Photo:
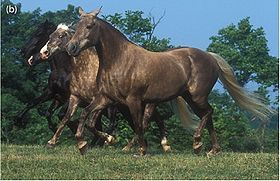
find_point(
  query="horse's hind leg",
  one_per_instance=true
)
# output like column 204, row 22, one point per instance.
column 112, row 115
column 163, row 134
column 215, row 146
column 148, row 112
column 204, row 111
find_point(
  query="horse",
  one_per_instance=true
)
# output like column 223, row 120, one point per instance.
column 30, row 52
column 84, row 73
column 135, row 77
column 58, row 82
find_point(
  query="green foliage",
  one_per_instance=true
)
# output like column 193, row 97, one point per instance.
column 65, row 163
column 139, row 29
column 63, row 16
column 8, row 101
column 245, row 48
column 36, row 130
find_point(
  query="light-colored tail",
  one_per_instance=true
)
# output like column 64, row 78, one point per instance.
column 249, row 101
column 183, row 112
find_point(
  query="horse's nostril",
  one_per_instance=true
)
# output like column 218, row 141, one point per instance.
column 46, row 52
column 72, row 47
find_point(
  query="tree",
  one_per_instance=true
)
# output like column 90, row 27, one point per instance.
column 139, row 29
column 245, row 49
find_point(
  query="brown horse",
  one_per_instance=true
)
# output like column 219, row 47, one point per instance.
column 83, row 82
column 133, row 76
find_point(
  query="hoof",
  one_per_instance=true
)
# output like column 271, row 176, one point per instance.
column 110, row 140
column 142, row 151
column 197, row 147
column 50, row 146
column 166, row 148
column 83, row 147
column 137, row 155
column 140, row 156
column 213, row 152
column 126, row 148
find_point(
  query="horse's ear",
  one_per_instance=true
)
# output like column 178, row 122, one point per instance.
column 71, row 27
column 71, row 24
column 96, row 12
column 81, row 11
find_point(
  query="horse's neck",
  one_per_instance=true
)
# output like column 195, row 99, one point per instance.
column 61, row 62
column 110, row 46
column 52, row 63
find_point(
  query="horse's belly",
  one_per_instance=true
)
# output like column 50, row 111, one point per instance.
column 163, row 91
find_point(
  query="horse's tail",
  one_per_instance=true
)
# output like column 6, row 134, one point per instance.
column 249, row 101
column 181, row 109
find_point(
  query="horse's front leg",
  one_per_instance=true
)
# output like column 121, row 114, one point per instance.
column 47, row 95
column 53, row 107
column 135, row 106
column 95, row 107
column 72, row 106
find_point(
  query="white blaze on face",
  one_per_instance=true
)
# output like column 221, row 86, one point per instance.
column 30, row 60
column 43, row 51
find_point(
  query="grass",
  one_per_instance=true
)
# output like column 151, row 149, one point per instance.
column 64, row 162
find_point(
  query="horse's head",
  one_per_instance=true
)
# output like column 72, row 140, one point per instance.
column 57, row 42
column 87, row 33
column 36, row 42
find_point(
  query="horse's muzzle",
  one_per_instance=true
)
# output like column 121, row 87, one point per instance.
column 72, row 49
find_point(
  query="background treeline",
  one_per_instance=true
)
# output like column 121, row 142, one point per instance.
column 242, row 45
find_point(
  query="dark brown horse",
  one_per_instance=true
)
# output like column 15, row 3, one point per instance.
column 56, row 84
column 83, row 82
column 133, row 76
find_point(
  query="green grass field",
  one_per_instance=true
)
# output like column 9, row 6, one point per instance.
column 64, row 162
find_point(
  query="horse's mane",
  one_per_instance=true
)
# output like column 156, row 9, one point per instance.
column 124, row 37
column 43, row 30
column 113, row 28
column 118, row 32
